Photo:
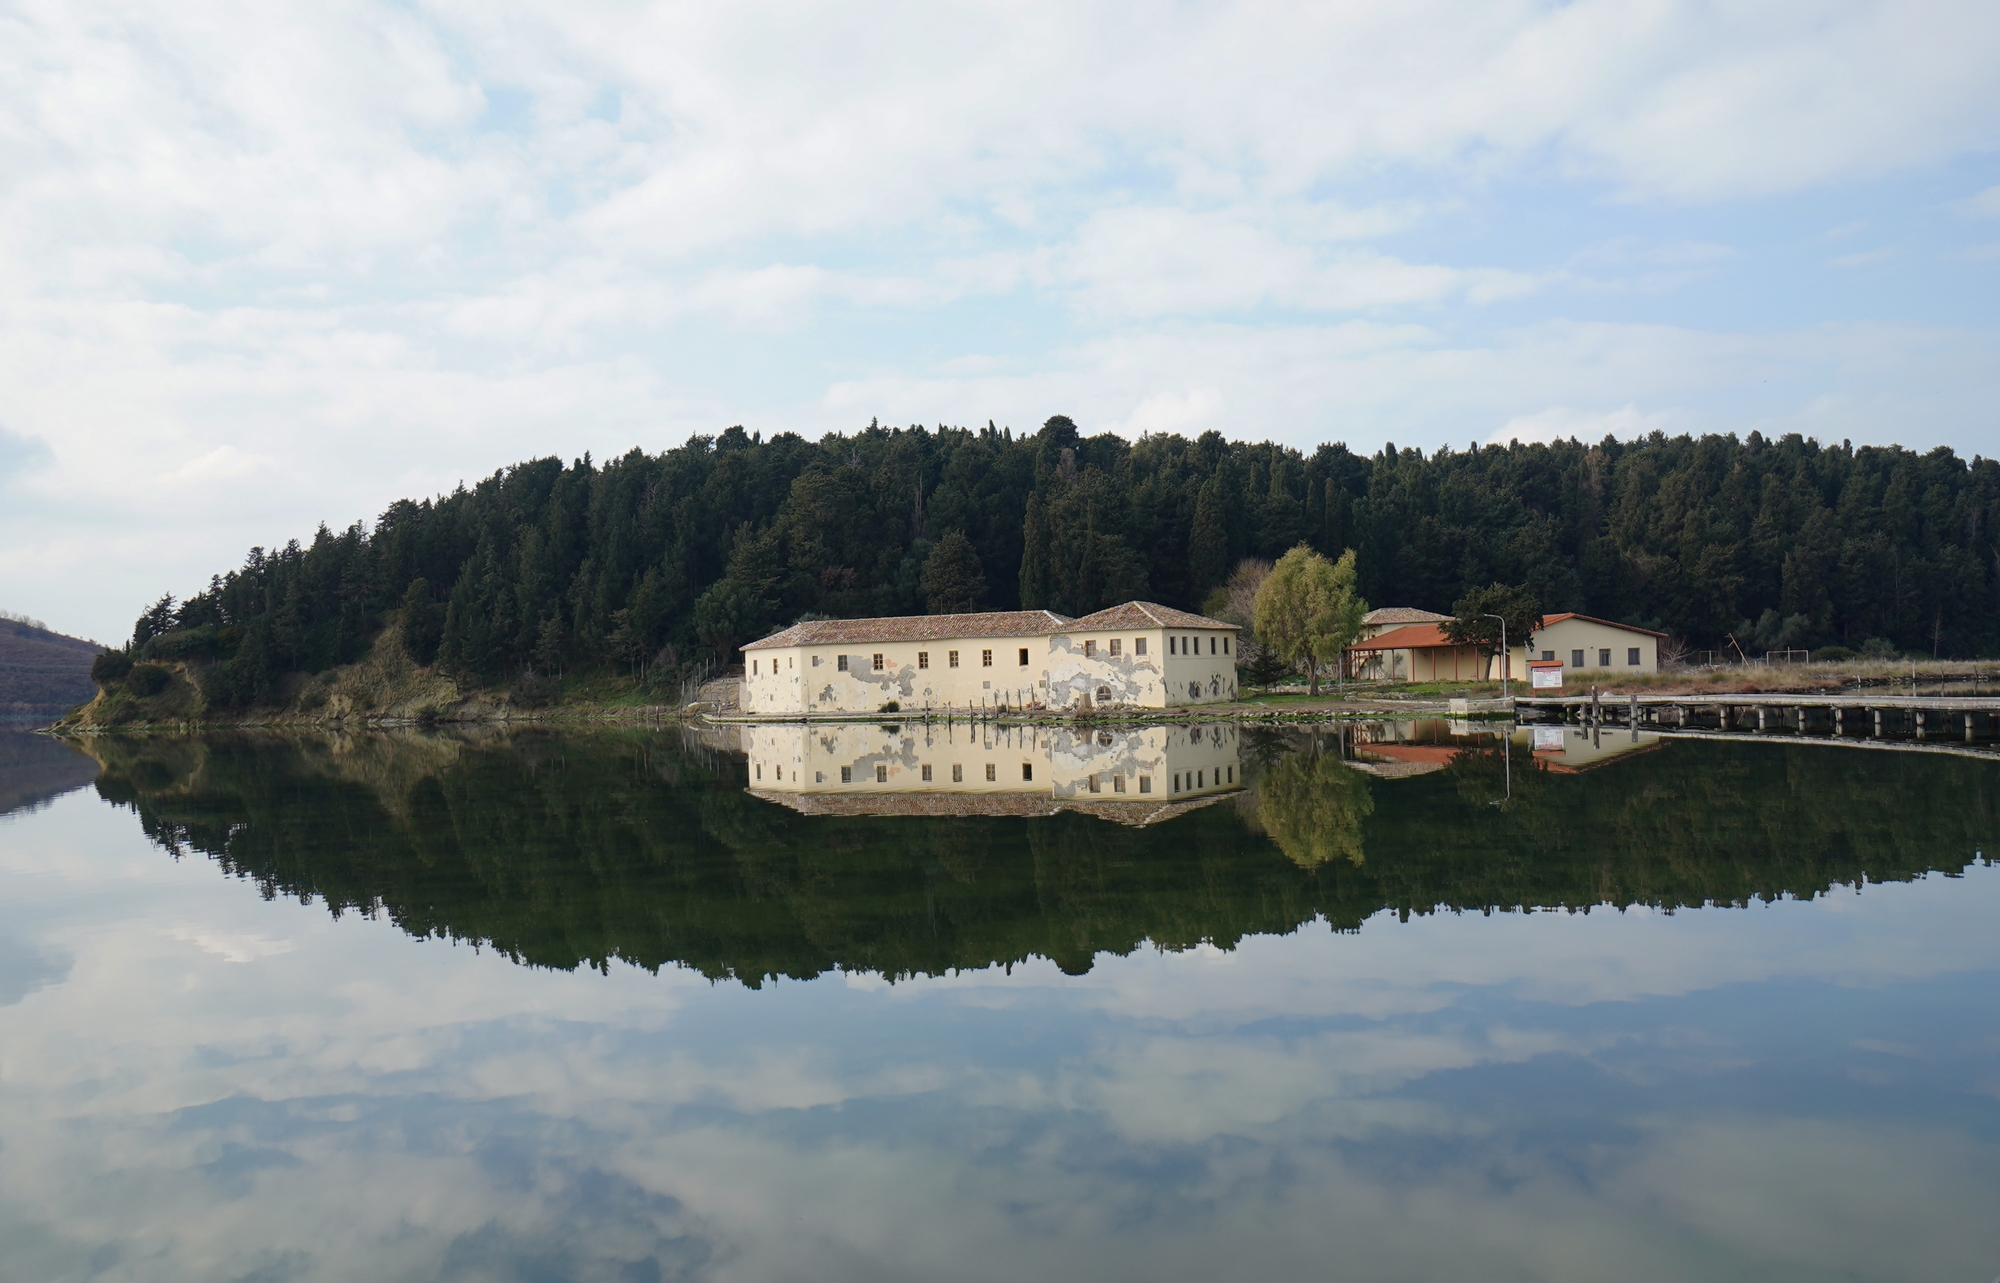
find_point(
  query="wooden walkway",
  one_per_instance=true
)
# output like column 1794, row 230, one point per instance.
column 1964, row 719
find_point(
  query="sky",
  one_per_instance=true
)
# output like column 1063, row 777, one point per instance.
column 266, row 265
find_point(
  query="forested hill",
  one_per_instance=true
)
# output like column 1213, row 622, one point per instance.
column 42, row 673
column 659, row 558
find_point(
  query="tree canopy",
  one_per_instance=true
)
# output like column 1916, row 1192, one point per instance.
column 703, row 546
column 1308, row 611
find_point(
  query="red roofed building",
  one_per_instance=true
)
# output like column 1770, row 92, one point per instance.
column 1415, row 653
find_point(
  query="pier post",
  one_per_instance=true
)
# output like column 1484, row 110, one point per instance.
column 1838, row 729
column 1920, row 723
column 1760, row 719
column 1968, row 728
column 1878, row 723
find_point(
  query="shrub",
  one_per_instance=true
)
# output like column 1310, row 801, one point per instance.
column 148, row 679
column 891, row 707
column 1878, row 648
column 110, row 666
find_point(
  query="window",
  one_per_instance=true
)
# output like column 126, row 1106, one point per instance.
column 878, row 663
column 1548, row 654
column 990, row 776
column 1201, row 779
column 1173, row 646
column 1089, row 649
column 986, row 659
column 1145, row 784
column 1139, row 646
column 1177, row 781
column 1604, row 657
column 1576, row 659
column 847, row 775
column 958, row 773
column 1024, row 656
column 1092, row 784
column 923, row 659
column 951, row 659
column 760, row 770
column 1225, row 645
column 1632, row 657
column 881, row 775
column 927, row 775
column 841, row 662
column 753, row 668
column 1027, row 770
column 1104, row 694
column 819, row 777
column 1116, row 643
column 1232, row 775
column 815, row 661
column 1117, row 784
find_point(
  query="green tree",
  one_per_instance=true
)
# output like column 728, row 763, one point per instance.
column 1471, row 625
column 423, row 622
column 1208, row 539
column 953, row 580
column 1312, row 805
column 1308, row 610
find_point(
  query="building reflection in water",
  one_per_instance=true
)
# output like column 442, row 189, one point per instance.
column 1136, row 775
column 1400, row 749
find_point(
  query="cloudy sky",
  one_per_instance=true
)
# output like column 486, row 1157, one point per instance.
column 264, row 265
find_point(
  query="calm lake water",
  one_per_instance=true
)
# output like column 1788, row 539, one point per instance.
column 1378, row 1003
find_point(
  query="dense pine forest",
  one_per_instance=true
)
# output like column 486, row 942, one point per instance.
column 651, row 561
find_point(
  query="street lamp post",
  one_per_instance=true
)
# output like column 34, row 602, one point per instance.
column 1505, row 666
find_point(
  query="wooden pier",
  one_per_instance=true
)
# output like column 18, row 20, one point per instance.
column 1940, row 719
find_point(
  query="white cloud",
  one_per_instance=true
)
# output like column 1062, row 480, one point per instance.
column 1561, row 423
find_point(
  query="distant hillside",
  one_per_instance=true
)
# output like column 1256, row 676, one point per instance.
column 42, row 673
column 37, row 768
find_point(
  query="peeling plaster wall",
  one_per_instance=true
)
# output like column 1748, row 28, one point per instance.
column 1155, row 753
column 824, row 688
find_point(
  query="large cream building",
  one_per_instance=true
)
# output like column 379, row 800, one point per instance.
column 1140, row 655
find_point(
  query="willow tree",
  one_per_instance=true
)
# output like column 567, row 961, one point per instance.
column 1309, row 611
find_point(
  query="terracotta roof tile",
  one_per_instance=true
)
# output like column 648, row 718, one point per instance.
column 900, row 628
column 1417, row 635
column 1402, row 615
column 1548, row 620
column 1143, row 614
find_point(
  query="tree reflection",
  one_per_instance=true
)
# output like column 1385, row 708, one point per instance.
column 570, row 850
column 1312, row 805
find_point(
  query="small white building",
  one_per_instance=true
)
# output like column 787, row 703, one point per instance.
column 1589, row 646
column 1140, row 654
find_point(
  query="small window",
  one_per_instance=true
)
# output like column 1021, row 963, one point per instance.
column 847, row 775
column 1232, row 775
column 958, row 773
column 840, row 661
column 1145, row 784
column 990, row 773
column 951, row 658
column 1139, row 646
column 923, row 659
column 1201, row 779
column 1604, row 657
column 1225, row 645
column 1104, row 694
column 881, row 775
column 753, row 668
column 1548, row 655
column 1576, row 659
column 1027, row 770
column 1632, row 657
column 816, row 661
column 927, row 775
column 878, row 663
column 986, row 659
column 1177, row 781
column 760, row 770
column 1172, row 646
column 1089, row 649
column 1092, row 784
column 1211, row 644
column 1117, row 784
column 1116, row 644
column 1024, row 656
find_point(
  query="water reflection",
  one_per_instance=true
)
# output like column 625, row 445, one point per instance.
column 203, row 1084
column 36, row 769
column 572, row 851
column 1136, row 776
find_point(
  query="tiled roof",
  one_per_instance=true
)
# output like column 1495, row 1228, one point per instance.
column 1143, row 614
column 899, row 628
column 1548, row 620
column 1402, row 615
column 1415, row 636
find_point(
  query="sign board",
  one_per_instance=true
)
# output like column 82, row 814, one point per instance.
column 1548, row 739
column 1545, row 675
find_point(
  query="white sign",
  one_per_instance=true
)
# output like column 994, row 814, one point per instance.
column 1546, row 678
column 1548, row 738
